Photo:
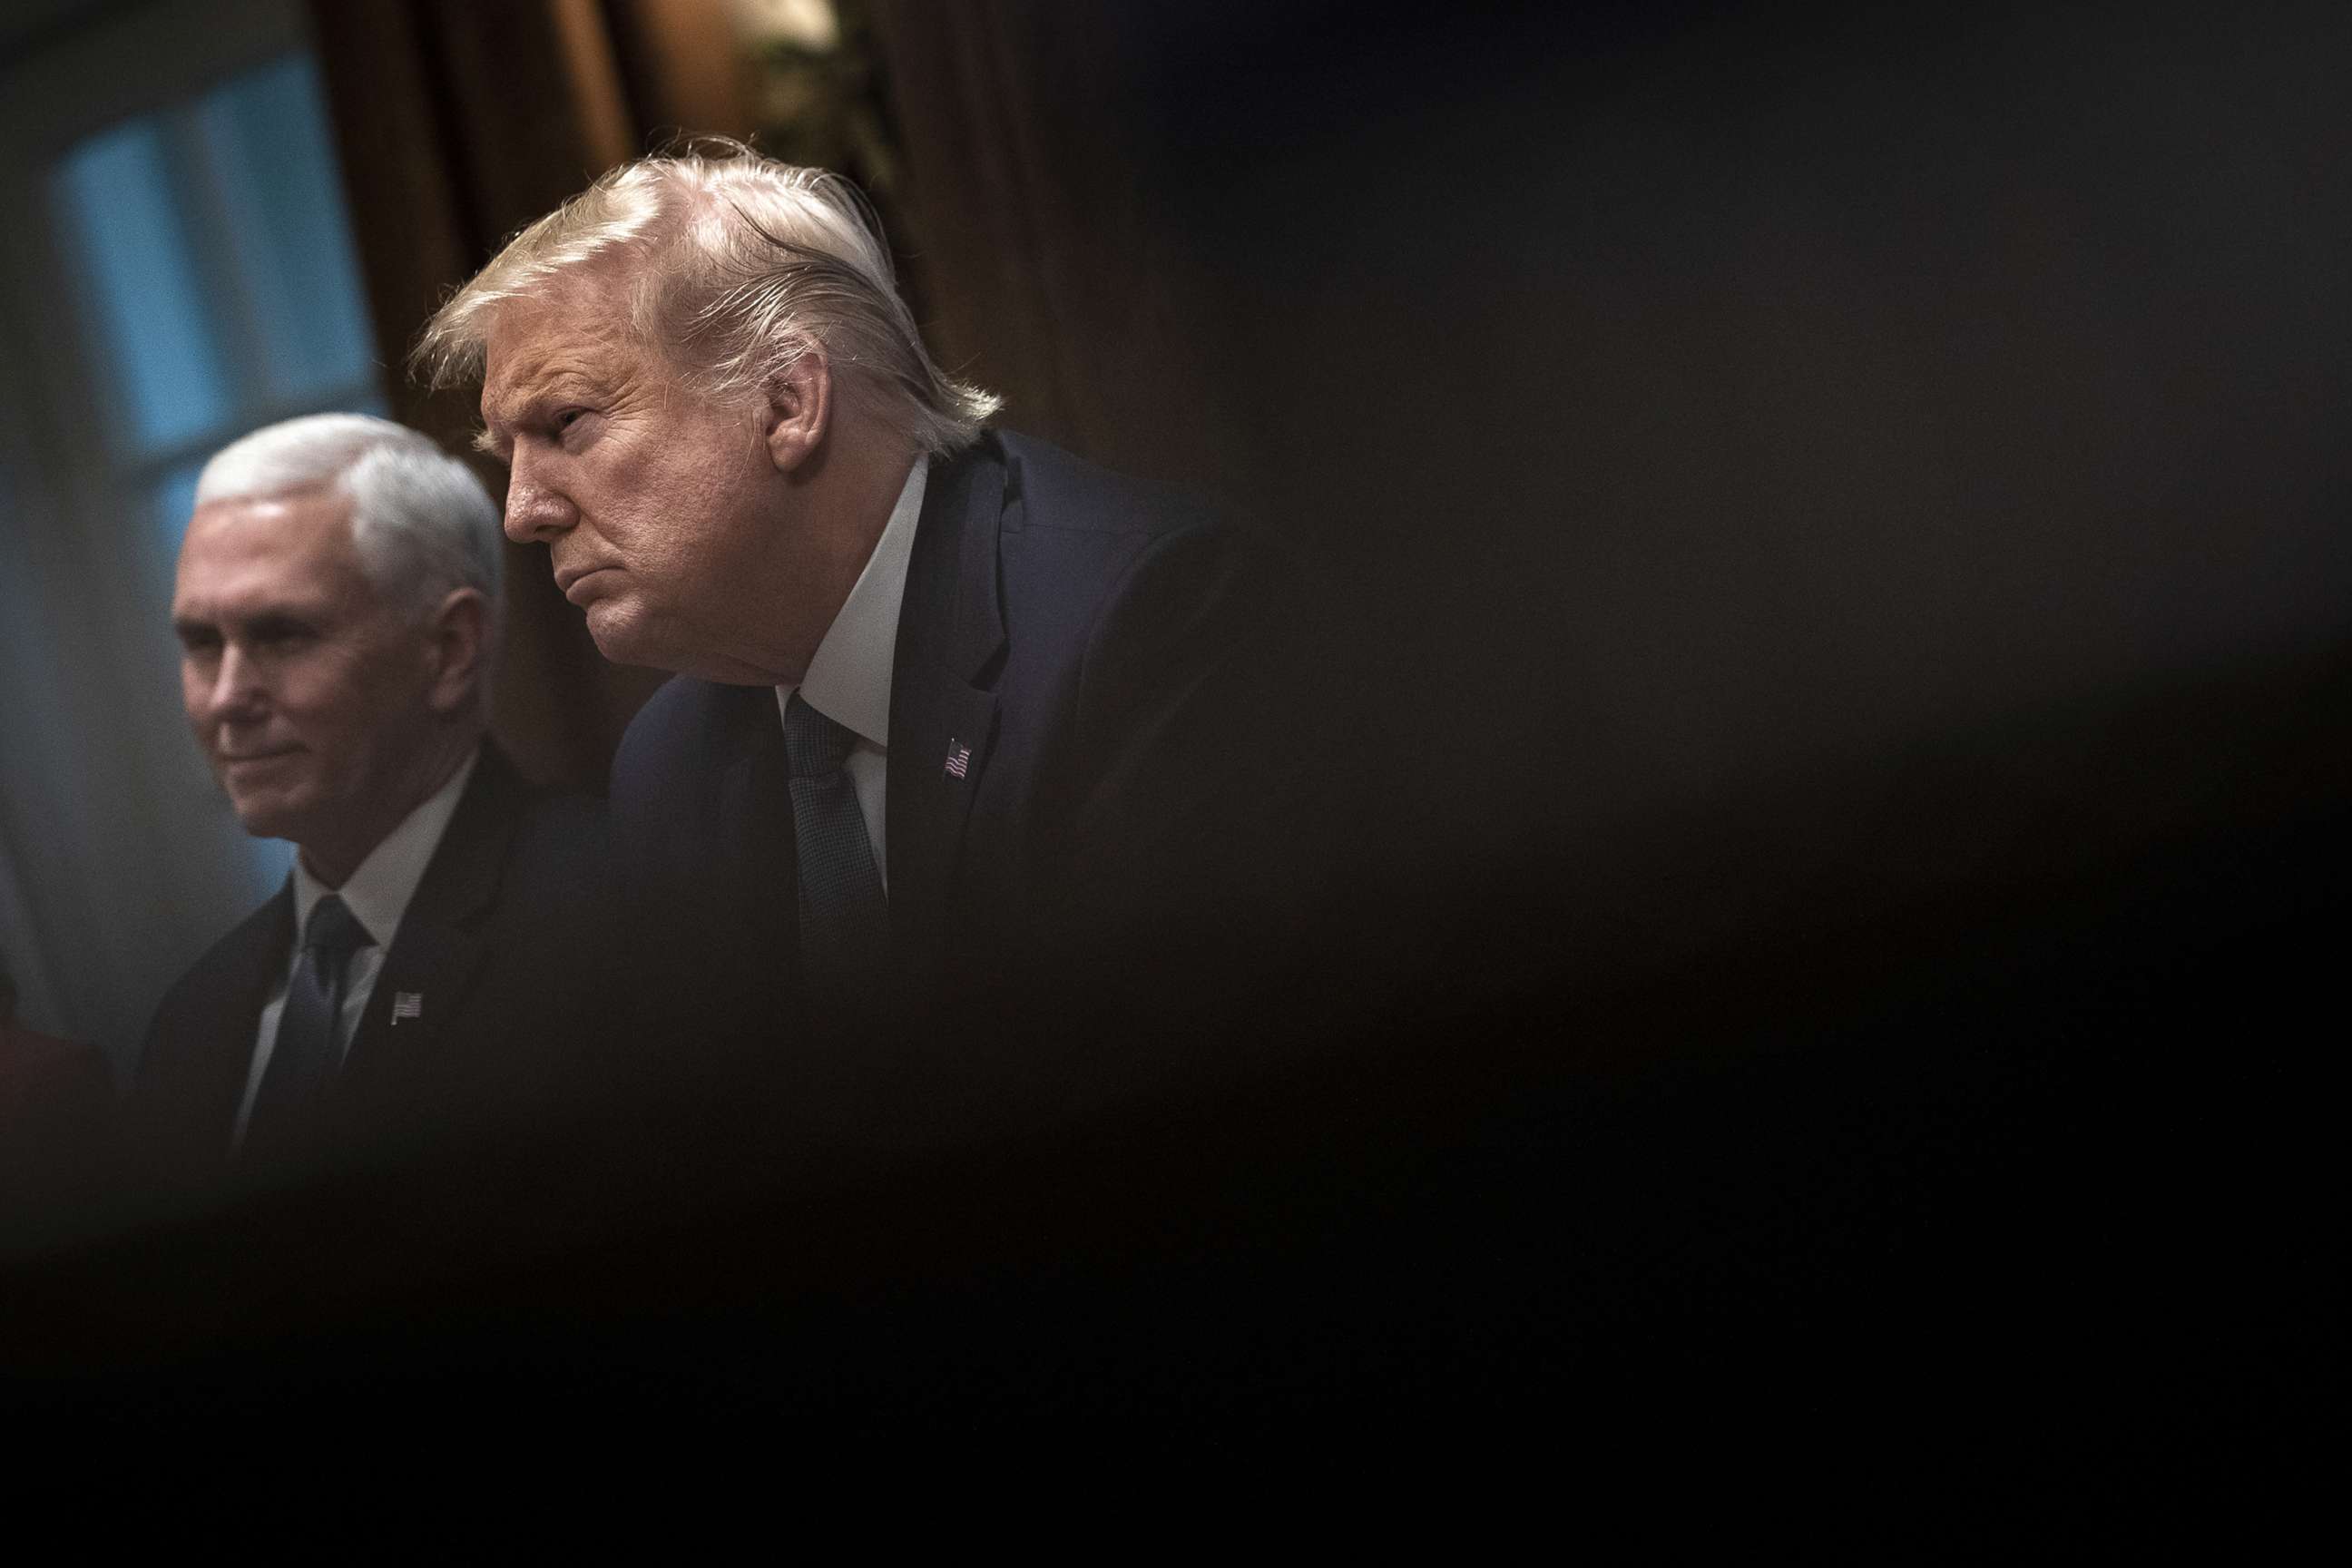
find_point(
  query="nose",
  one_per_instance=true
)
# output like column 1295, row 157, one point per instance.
column 535, row 514
column 234, row 694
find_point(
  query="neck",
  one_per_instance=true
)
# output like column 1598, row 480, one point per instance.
column 849, row 494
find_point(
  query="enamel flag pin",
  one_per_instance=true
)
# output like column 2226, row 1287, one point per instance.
column 959, row 758
column 407, row 1004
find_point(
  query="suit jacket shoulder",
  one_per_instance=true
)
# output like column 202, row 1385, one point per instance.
column 191, row 1072
column 1123, row 634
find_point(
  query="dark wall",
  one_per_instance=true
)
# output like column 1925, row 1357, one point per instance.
column 1852, row 437
column 1838, row 515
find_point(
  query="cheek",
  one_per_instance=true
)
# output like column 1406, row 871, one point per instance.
column 322, row 705
column 679, row 525
column 373, row 700
column 727, row 542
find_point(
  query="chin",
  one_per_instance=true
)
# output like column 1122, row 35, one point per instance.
column 265, row 822
column 268, row 815
column 623, row 638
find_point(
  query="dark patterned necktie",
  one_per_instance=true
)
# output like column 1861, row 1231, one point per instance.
column 307, row 1051
column 844, row 915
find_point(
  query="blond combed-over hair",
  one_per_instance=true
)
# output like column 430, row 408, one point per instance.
column 735, row 266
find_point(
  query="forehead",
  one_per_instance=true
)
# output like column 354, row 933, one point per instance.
column 576, row 329
column 257, row 551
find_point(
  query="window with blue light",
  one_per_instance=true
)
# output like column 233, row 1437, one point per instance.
column 285, row 222
column 219, row 286
column 169, row 375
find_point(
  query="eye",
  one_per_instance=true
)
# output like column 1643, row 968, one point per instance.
column 277, row 638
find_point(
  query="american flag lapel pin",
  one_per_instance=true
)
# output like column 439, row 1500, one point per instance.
column 407, row 1004
column 959, row 758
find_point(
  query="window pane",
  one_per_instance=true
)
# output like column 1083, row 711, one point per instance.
column 131, row 241
column 265, row 134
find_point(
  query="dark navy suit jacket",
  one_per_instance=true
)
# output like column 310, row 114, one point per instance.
column 1081, row 699
column 502, row 945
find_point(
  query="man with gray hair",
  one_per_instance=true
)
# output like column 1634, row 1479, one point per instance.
column 954, row 707
column 337, row 609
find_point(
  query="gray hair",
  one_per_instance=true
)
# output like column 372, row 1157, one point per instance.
column 736, row 266
column 421, row 521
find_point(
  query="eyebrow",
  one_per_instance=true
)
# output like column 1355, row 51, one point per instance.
column 529, row 407
column 523, row 402
column 531, row 392
column 263, row 622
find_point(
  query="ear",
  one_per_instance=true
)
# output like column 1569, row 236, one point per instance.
column 799, row 407
column 459, row 634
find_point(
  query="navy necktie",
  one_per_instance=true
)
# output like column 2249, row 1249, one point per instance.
column 845, row 914
column 307, row 1050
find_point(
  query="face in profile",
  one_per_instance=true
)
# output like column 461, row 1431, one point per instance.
column 310, row 696
column 660, row 508
column 688, row 529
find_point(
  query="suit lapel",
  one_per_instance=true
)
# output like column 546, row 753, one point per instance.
column 439, row 943
column 942, row 712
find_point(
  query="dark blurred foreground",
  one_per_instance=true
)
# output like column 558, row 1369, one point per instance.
column 2015, row 1180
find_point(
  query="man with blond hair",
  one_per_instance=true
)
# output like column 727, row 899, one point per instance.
column 957, row 714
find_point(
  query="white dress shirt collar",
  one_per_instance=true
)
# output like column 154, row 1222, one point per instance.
column 848, row 680
column 378, row 893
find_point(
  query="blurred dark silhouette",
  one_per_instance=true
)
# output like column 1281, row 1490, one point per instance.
column 57, row 1117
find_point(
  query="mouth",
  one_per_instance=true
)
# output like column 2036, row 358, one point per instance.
column 247, row 758
column 568, row 581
